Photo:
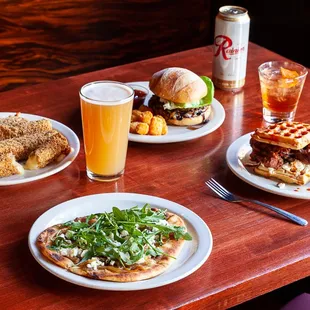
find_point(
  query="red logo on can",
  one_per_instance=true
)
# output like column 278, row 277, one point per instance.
column 223, row 43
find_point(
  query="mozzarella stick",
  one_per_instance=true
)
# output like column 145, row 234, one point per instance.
column 22, row 147
column 48, row 152
column 8, row 131
column 9, row 166
column 13, row 120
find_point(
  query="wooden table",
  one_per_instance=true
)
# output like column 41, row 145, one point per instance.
column 255, row 251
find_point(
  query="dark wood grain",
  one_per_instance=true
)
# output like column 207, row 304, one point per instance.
column 44, row 40
column 255, row 251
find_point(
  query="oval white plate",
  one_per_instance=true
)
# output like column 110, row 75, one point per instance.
column 33, row 175
column 234, row 156
column 194, row 253
column 181, row 133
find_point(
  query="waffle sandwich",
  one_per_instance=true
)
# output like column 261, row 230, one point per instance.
column 282, row 151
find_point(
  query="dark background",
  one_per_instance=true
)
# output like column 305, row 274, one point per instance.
column 43, row 40
column 281, row 26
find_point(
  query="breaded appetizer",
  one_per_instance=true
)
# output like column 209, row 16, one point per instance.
column 48, row 152
column 21, row 128
column 22, row 147
column 158, row 126
column 9, row 166
column 13, row 120
column 143, row 117
column 139, row 128
column 145, row 123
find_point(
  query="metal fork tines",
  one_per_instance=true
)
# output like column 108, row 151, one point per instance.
column 228, row 196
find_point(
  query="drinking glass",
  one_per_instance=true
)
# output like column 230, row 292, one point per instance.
column 106, row 111
column 281, row 85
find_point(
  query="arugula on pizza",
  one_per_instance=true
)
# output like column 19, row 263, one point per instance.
column 122, row 246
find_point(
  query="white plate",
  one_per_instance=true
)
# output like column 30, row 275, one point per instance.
column 33, row 175
column 238, row 151
column 181, row 133
column 194, row 253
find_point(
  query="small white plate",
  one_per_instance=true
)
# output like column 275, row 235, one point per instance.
column 182, row 133
column 33, row 175
column 238, row 151
column 194, row 253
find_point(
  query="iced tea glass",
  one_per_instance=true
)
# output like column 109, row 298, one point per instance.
column 281, row 85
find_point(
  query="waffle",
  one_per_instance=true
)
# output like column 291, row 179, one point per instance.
column 293, row 135
column 285, row 175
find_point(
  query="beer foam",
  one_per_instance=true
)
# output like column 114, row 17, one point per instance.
column 106, row 93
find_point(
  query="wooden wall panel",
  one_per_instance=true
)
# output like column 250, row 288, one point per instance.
column 48, row 39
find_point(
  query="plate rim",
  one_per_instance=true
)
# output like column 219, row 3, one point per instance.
column 67, row 160
column 194, row 134
column 232, row 161
column 130, row 286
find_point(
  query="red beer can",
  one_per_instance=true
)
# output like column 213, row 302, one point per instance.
column 230, row 48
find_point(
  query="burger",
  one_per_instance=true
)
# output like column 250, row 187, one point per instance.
column 181, row 96
column 282, row 151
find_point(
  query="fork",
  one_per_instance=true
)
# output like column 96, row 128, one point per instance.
column 228, row 196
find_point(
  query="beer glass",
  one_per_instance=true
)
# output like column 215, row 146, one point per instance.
column 106, row 111
column 281, row 85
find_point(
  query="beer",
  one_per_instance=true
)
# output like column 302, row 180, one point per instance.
column 106, row 111
column 230, row 48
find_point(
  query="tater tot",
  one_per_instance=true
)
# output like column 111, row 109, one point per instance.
column 156, row 126
column 135, row 115
column 165, row 127
column 139, row 128
column 145, row 117
column 164, row 121
column 144, row 108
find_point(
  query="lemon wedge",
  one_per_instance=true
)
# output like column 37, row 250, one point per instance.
column 288, row 79
column 288, row 74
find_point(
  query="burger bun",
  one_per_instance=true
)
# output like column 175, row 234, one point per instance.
column 178, row 85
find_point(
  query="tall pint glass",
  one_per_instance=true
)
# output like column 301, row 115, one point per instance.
column 106, row 111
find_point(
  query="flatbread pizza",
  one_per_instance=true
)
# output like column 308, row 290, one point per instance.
column 122, row 246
